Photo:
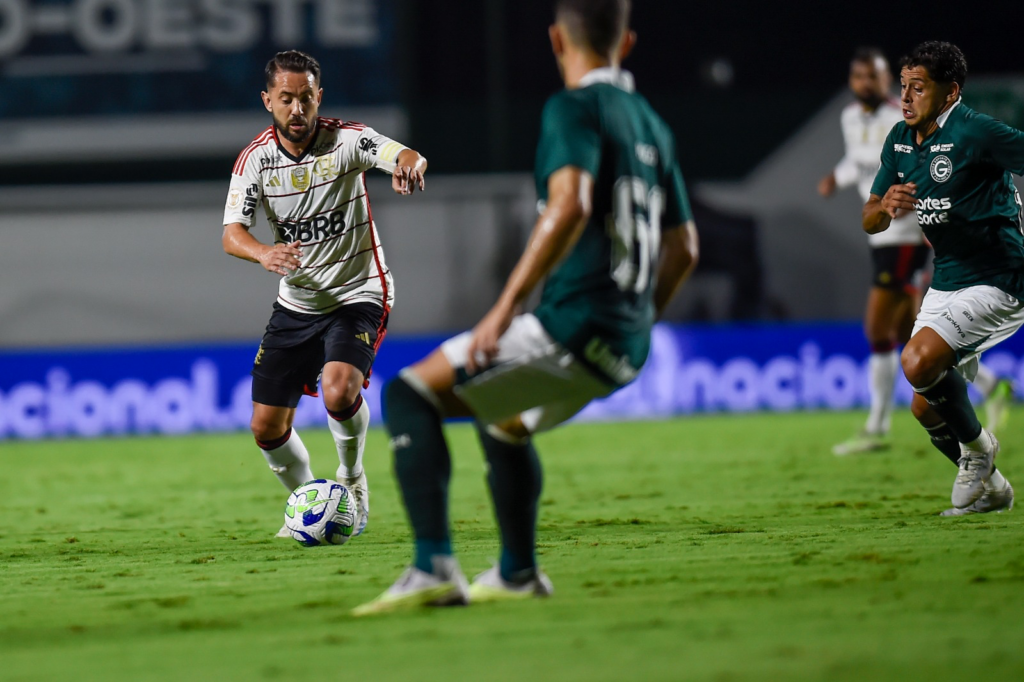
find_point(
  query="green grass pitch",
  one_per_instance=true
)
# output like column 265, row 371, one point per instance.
column 707, row 548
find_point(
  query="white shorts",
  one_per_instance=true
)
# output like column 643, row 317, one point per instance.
column 535, row 377
column 971, row 321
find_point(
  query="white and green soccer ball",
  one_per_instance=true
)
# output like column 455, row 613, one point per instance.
column 320, row 512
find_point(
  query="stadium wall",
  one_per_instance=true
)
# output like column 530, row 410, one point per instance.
column 77, row 392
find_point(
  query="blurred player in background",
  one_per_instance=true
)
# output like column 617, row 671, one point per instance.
column 336, row 290
column 952, row 165
column 899, row 254
column 614, row 241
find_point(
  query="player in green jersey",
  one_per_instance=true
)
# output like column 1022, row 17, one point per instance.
column 952, row 166
column 615, row 239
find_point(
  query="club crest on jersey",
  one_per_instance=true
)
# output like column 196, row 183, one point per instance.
column 324, row 169
column 300, row 178
column 941, row 168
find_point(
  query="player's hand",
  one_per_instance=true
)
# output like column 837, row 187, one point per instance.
column 281, row 258
column 827, row 185
column 406, row 179
column 899, row 199
column 483, row 346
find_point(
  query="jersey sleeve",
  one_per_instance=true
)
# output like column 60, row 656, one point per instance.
column 373, row 150
column 570, row 135
column 1001, row 144
column 244, row 195
column 886, row 176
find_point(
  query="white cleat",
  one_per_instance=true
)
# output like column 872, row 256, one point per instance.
column 446, row 586
column 489, row 586
column 361, row 493
column 861, row 443
column 975, row 468
column 990, row 502
column 284, row 532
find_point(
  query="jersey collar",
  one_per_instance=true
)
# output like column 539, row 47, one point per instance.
column 941, row 120
column 607, row 74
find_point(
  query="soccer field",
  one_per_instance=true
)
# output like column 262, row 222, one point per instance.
column 709, row 548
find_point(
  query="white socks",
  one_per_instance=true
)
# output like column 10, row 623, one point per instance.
column 350, row 438
column 882, row 369
column 983, row 443
column 289, row 461
column 985, row 380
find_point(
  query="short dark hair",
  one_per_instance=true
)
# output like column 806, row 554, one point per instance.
column 597, row 24
column 293, row 61
column 944, row 62
column 868, row 55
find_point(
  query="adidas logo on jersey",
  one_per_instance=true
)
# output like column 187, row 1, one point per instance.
column 364, row 337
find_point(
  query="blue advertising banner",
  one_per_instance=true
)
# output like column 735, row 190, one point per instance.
column 173, row 390
column 96, row 57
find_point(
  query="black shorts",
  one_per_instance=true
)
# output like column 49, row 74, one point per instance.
column 900, row 267
column 296, row 346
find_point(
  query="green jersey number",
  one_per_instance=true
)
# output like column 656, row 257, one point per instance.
column 634, row 227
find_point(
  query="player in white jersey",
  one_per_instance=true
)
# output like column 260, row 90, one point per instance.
column 336, row 290
column 899, row 255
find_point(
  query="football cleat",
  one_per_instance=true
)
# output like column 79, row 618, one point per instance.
column 284, row 532
column 361, row 493
column 446, row 586
column 975, row 468
column 489, row 586
column 861, row 443
column 991, row 501
column 997, row 406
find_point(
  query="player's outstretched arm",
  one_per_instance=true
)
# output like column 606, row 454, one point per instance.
column 570, row 202
column 408, row 175
column 879, row 211
column 279, row 258
column 680, row 249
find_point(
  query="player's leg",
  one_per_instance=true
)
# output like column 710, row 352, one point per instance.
column 883, row 317
column 351, row 338
column 535, row 386
column 285, row 368
column 280, row 444
column 952, row 329
column 997, row 394
column 885, row 312
column 415, row 411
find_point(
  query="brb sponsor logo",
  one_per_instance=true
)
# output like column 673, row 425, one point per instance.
column 932, row 211
column 112, row 26
column 318, row 228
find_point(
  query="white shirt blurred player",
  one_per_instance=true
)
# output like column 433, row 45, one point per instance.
column 899, row 255
column 336, row 290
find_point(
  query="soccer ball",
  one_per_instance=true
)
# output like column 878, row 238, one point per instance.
column 320, row 512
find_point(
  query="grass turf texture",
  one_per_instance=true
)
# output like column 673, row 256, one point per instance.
column 712, row 548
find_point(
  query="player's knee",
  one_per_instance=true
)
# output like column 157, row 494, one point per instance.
column 342, row 393
column 267, row 430
column 918, row 367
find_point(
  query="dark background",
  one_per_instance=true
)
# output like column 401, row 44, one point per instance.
column 473, row 75
column 479, row 72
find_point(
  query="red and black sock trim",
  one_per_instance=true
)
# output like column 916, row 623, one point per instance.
column 276, row 443
column 348, row 412
column 883, row 346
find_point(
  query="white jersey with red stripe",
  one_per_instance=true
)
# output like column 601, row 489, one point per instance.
column 320, row 200
column 864, row 133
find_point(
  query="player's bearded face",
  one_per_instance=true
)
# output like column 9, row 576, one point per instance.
column 870, row 83
column 294, row 101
